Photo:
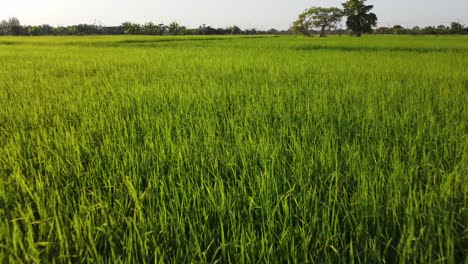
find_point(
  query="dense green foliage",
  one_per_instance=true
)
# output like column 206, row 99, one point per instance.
column 190, row 149
column 317, row 17
column 300, row 26
column 13, row 27
column 454, row 28
column 359, row 18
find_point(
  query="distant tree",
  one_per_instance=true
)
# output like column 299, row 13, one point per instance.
column 383, row 30
column 234, row 30
column 118, row 30
column 429, row 30
column 59, row 31
column 317, row 17
column 415, row 30
column 33, row 30
column 72, row 30
column 176, row 29
column 162, row 28
column 182, row 30
column 360, row 19
column 131, row 28
column 214, row 31
column 301, row 28
column 202, row 29
column 221, row 31
column 81, row 29
column 88, row 29
column 272, row 31
column 14, row 26
column 3, row 27
column 206, row 30
column 442, row 29
column 46, row 29
column 252, row 31
column 398, row 29
column 150, row 28
column 456, row 28
column 127, row 27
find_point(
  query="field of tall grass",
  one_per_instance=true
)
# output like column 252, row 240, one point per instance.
column 234, row 149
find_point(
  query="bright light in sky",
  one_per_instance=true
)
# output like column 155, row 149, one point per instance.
column 260, row 14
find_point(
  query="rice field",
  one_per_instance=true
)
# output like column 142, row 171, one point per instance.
column 234, row 149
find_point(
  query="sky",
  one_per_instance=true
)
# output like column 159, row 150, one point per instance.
column 259, row 14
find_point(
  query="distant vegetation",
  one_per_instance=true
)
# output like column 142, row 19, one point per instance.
column 454, row 28
column 322, row 20
column 315, row 20
column 13, row 27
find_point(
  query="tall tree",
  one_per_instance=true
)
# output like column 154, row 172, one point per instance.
column 3, row 27
column 360, row 19
column 150, row 28
column 399, row 29
column 131, row 28
column 14, row 26
column 234, row 30
column 317, row 17
column 456, row 28
column 176, row 29
column 442, row 29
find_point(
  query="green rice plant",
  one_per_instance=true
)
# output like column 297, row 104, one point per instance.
column 234, row 149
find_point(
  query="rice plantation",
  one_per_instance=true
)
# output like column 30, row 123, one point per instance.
column 268, row 149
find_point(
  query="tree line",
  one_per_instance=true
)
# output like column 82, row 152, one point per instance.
column 454, row 28
column 315, row 20
column 12, row 26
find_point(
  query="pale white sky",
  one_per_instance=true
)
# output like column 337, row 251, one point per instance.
column 221, row 13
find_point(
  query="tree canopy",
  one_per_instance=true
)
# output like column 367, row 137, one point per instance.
column 317, row 17
column 360, row 19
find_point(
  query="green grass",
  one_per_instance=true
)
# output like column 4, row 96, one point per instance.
column 234, row 149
